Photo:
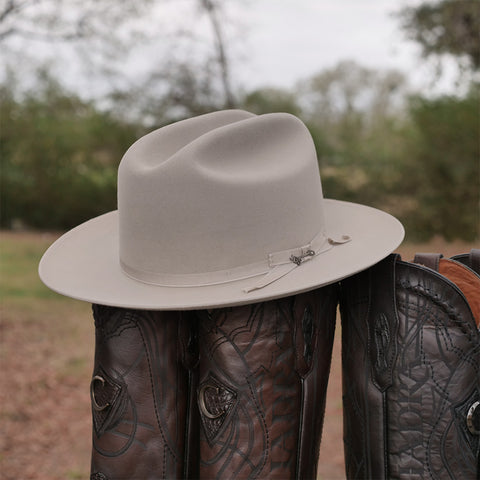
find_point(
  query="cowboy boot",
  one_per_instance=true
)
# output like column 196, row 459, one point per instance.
column 263, row 376
column 410, row 354
column 142, row 393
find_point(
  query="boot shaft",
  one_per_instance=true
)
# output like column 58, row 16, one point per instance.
column 411, row 353
column 263, row 376
column 142, row 395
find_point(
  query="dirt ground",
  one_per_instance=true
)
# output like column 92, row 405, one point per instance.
column 46, row 355
column 330, row 465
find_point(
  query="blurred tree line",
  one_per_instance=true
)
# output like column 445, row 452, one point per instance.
column 416, row 156
column 59, row 157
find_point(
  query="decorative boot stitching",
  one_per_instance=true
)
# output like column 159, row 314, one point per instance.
column 466, row 327
column 467, row 355
column 112, row 321
column 98, row 476
column 308, row 331
column 382, row 339
column 382, row 350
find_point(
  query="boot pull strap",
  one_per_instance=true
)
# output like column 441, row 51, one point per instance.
column 475, row 260
column 466, row 280
column 430, row 260
column 471, row 259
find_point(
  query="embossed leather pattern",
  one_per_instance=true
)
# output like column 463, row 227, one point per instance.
column 263, row 374
column 411, row 356
column 143, row 394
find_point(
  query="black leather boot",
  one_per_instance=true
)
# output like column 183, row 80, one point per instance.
column 145, row 421
column 263, row 377
column 411, row 360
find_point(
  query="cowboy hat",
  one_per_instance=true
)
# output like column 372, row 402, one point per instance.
column 218, row 210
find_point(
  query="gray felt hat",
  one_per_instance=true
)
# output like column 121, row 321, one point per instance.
column 218, row 210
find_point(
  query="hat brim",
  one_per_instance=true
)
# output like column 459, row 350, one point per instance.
column 84, row 264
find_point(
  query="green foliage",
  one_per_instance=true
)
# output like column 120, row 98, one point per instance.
column 445, row 26
column 418, row 160
column 19, row 259
column 357, row 122
column 268, row 100
column 59, row 158
column 442, row 167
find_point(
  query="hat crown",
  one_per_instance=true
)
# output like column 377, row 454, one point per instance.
column 216, row 193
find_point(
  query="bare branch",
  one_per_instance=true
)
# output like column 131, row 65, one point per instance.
column 211, row 9
column 9, row 8
column 46, row 36
column 6, row 33
column 13, row 6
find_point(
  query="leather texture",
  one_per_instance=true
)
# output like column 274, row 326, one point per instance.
column 263, row 375
column 471, row 259
column 411, row 356
column 145, row 423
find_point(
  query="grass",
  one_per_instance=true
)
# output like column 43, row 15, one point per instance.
column 20, row 254
column 46, row 357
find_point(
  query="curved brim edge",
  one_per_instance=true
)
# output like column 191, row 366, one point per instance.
column 84, row 264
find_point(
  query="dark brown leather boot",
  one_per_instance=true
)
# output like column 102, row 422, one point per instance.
column 263, row 377
column 143, row 395
column 411, row 360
